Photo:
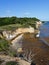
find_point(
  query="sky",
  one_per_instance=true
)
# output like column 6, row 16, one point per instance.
column 25, row 8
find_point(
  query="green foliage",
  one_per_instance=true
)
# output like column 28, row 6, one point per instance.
column 11, row 52
column 3, row 45
column 12, row 63
column 14, row 20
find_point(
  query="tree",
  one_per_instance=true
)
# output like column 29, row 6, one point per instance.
column 15, row 20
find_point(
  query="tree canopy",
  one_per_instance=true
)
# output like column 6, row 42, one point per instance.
column 15, row 20
column 24, row 22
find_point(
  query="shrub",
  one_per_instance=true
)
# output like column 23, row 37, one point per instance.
column 12, row 63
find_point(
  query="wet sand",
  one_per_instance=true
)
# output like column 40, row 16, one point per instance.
column 36, row 47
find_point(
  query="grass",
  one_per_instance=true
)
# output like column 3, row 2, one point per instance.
column 12, row 63
column 5, row 48
column 3, row 45
column 15, row 26
column 10, row 27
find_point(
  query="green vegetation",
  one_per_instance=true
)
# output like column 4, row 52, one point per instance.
column 5, row 48
column 10, row 27
column 12, row 63
column 3, row 45
column 22, row 22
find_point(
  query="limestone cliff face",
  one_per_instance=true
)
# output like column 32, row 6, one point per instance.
column 10, row 35
column 25, row 30
column 38, row 24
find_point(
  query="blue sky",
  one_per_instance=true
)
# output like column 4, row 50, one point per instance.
column 25, row 8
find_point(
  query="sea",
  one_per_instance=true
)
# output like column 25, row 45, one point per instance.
column 44, row 29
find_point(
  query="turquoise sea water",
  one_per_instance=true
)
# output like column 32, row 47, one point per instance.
column 44, row 30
